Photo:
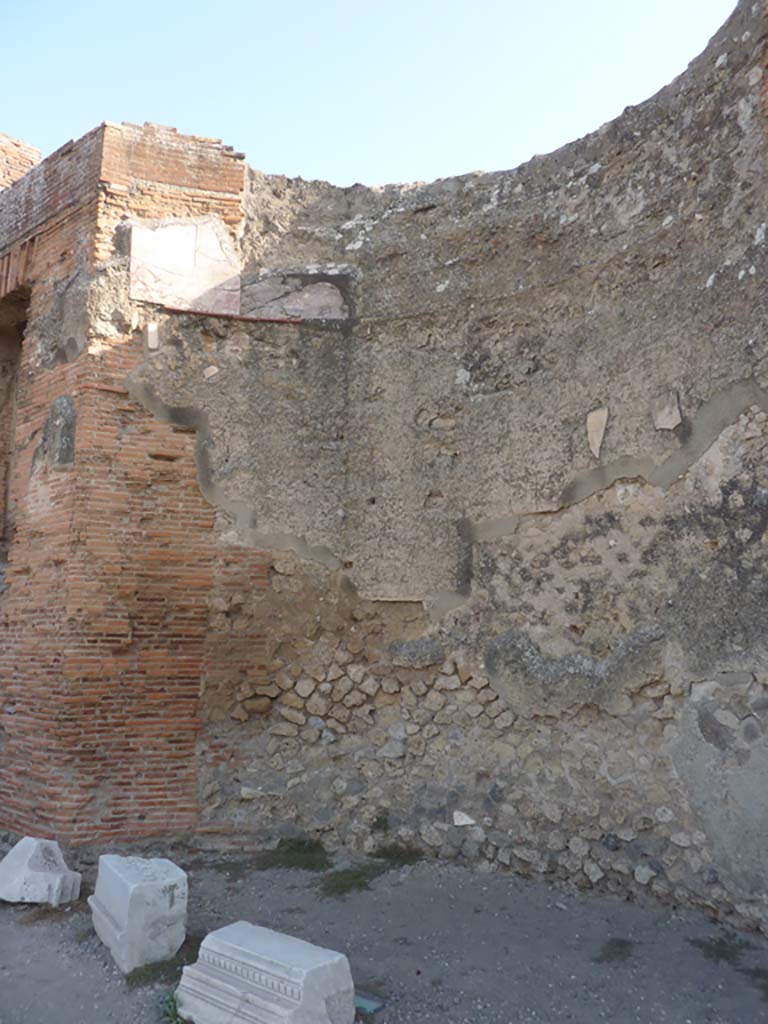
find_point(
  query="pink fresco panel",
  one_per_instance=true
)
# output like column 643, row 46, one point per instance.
column 185, row 265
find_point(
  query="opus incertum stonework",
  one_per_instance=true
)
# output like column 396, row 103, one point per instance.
column 431, row 511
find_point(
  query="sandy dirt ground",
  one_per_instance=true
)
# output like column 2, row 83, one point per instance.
column 439, row 944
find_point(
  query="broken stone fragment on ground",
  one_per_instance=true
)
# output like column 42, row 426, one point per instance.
column 139, row 909
column 34, row 871
column 247, row 974
column 460, row 818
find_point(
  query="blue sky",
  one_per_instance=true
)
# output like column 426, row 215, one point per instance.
column 346, row 91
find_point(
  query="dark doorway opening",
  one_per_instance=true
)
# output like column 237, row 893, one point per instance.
column 13, row 321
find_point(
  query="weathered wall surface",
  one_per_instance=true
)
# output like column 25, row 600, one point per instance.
column 16, row 158
column 505, row 438
column 112, row 553
column 47, row 219
column 481, row 612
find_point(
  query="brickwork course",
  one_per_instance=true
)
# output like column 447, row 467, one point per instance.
column 430, row 515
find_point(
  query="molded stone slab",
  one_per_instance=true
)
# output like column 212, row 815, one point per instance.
column 251, row 975
column 139, row 909
column 34, row 871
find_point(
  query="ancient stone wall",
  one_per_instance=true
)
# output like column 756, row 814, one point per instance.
column 504, row 439
column 16, row 158
column 517, row 470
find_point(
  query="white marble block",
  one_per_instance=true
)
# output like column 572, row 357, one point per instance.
column 185, row 264
column 34, row 872
column 251, row 975
column 139, row 909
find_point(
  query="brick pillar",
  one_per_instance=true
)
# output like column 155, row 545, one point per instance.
column 105, row 617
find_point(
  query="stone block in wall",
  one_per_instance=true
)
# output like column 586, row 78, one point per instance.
column 245, row 973
column 188, row 265
column 34, row 871
column 139, row 909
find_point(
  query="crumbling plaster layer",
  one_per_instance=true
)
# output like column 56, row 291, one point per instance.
column 492, row 314
column 432, row 450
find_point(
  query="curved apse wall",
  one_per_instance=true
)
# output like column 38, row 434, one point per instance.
column 513, row 464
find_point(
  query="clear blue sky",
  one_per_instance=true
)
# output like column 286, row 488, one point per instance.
column 346, row 91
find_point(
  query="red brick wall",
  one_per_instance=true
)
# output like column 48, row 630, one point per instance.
column 47, row 224
column 16, row 158
column 153, row 172
column 64, row 181
column 34, row 758
column 105, row 620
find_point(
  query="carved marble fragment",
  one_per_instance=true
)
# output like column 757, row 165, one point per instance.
column 245, row 973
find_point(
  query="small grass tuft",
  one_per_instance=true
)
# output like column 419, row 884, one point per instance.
column 615, row 951
column 299, row 854
column 84, row 933
column 169, row 1010
column 167, row 971
column 380, row 823
column 759, row 978
column 399, row 854
column 338, row 884
column 729, row 949
column 725, row 949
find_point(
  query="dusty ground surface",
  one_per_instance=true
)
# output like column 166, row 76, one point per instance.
column 438, row 943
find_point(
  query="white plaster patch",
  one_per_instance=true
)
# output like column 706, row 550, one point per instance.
column 185, row 265
column 744, row 111
column 493, row 200
column 597, row 420
column 666, row 411
column 151, row 336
